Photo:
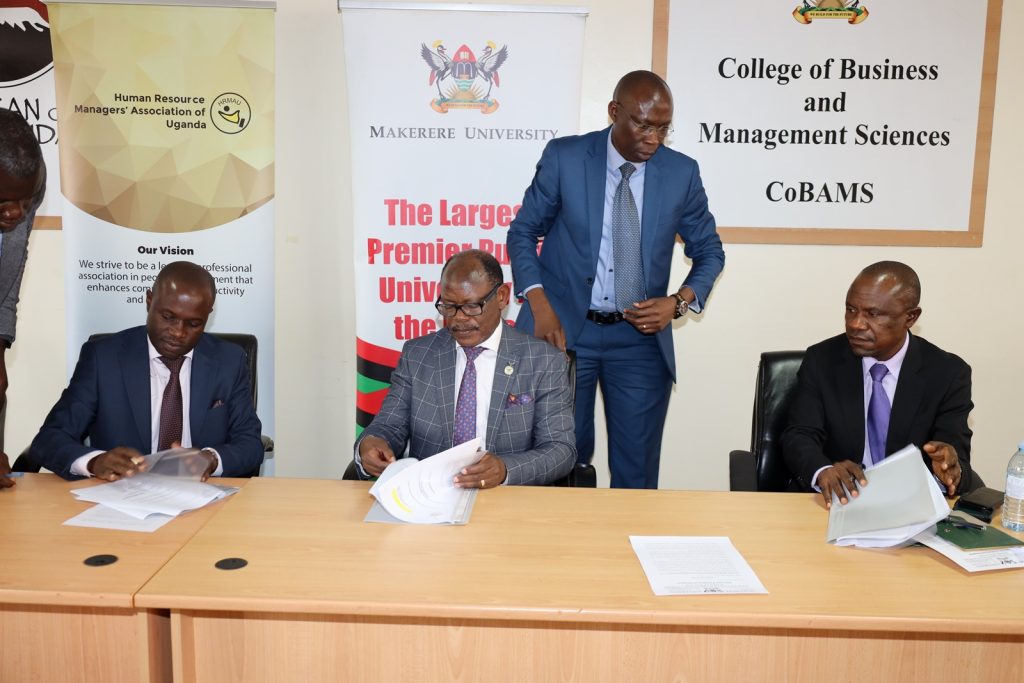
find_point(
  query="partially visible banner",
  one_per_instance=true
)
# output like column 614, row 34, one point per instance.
column 448, row 123
column 166, row 117
column 26, row 86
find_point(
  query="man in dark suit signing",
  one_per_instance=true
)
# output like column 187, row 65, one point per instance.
column 877, row 388
column 150, row 388
column 477, row 377
column 608, row 207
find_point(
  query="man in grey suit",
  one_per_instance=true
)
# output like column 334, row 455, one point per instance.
column 22, row 185
column 477, row 377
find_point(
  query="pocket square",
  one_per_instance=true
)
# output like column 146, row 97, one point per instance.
column 520, row 399
column 217, row 404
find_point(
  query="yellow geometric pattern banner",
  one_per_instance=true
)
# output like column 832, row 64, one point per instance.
column 166, row 114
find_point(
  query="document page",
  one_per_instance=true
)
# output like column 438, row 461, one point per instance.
column 422, row 491
column 974, row 560
column 103, row 517
column 147, row 494
column 901, row 500
column 694, row 565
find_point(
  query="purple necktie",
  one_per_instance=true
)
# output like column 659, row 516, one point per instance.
column 465, row 407
column 878, row 414
column 170, row 408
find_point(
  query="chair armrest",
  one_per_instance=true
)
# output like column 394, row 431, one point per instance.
column 742, row 471
column 351, row 472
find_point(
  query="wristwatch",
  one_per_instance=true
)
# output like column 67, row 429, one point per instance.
column 682, row 305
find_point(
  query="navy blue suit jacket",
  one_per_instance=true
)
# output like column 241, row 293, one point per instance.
column 564, row 205
column 108, row 403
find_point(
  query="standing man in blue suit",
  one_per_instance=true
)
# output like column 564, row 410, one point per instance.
column 609, row 206
column 149, row 388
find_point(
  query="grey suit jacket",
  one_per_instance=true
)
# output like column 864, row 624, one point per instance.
column 530, row 423
column 13, row 254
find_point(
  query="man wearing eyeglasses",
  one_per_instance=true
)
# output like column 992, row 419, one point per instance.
column 476, row 377
column 609, row 206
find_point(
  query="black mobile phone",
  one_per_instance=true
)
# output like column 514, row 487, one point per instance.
column 981, row 503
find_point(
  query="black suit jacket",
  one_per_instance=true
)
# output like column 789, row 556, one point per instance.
column 108, row 402
column 826, row 416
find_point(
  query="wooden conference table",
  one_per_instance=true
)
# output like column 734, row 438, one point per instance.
column 63, row 620
column 542, row 585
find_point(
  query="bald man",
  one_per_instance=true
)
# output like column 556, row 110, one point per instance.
column 150, row 388
column 877, row 388
column 609, row 207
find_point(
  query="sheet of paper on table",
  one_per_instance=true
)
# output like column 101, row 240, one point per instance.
column 901, row 500
column 103, row 517
column 422, row 491
column 1011, row 557
column 694, row 565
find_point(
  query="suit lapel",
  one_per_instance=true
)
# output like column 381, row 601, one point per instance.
column 850, row 388
column 135, row 371
column 444, row 382
column 908, row 396
column 649, row 221
column 508, row 356
column 201, row 387
column 595, row 165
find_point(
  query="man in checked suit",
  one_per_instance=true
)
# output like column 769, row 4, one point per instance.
column 151, row 388
column 476, row 377
column 609, row 206
column 871, row 391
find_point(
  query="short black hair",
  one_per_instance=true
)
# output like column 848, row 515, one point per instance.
column 487, row 263
column 20, row 155
column 186, row 271
column 907, row 282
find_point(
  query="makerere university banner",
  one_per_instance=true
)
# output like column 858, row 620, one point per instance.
column 447, row 124
column 166, row 120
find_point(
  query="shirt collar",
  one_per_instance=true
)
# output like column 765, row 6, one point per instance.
column 155, row 355
column 893, row 364
column 615, row 160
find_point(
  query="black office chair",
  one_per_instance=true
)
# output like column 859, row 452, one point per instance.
column 249, row 345
column 763, row 468
column 582, row 475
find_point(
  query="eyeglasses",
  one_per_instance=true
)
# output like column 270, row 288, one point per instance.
column 472, row 309
column 646, row 129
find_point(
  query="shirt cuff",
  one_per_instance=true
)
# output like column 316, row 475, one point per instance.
column 522, row 294
column 80, row 466
column 220, row 464
column 814, row 479
column 359, row 463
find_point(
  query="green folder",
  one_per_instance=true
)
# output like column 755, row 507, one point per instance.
column 975, row 539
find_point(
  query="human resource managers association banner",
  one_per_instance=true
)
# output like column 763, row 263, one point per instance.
column 166, row 119
column 450, row 107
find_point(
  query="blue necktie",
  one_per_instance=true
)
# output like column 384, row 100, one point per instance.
column 878, row 414
column 465, row 406
column 628, row 262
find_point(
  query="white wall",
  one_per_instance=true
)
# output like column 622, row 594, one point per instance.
column 769, row 297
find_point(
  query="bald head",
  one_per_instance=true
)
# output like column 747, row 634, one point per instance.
column 639, row 83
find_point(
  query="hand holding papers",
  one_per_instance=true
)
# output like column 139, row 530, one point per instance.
column 422, row 492
column 169, row 487
column 901, row 501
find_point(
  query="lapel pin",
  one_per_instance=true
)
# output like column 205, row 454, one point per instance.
column 508, row 369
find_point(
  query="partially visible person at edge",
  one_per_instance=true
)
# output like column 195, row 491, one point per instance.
column 22, row 186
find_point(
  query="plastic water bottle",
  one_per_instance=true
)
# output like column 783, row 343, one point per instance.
column 1013, row 503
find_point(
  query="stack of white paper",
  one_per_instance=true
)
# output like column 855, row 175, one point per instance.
column 900, row 501
column 423, row 492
